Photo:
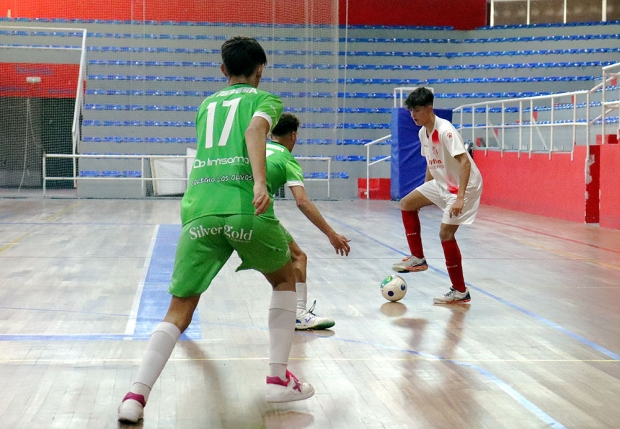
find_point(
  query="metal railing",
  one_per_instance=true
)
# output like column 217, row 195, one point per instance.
column 528, row 123
column 329, row 170
column 524, row 116
column 79, row 96
column 609, row 75
column 76, row 177
column 76, row 132
column 369, row 163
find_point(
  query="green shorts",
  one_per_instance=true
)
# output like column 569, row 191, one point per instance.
column 207, row 243
column 288, row 236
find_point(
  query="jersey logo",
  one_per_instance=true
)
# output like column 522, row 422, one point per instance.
column 449, row 135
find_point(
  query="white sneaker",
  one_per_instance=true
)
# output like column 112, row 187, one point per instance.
column 292, row 389
column 453, row 297
column 410, row 264
column 132, row 408
column 308, row 320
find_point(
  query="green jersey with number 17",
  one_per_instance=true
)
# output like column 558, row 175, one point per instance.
column 221, row 179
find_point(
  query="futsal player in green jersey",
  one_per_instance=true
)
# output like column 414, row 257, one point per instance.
column 283, row 169
column 227, row 208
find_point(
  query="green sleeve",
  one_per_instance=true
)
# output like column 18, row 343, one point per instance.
column 270, row 107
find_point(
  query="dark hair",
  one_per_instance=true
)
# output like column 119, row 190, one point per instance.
column 287, row 124
column 241, row 56
column 420, row 97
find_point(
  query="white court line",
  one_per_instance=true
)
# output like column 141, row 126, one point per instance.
column 133, row 314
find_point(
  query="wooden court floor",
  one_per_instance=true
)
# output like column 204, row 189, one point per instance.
column 83, row 282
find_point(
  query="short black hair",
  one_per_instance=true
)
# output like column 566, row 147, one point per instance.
column 241, row 56
column 288, row 123
column 420, row 97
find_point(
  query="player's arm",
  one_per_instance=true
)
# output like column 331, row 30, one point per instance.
column 429, row 176
column 307, row 207
column 256, row 141
column 457, row 207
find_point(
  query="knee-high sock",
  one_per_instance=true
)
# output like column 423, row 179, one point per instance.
column 411, row 221
column 453, row 264
column 302, row 296
column 281, row 331
column 158, row 351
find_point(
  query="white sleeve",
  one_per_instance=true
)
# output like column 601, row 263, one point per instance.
column 453, row 142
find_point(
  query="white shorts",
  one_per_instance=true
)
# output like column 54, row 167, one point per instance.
column 444, row 200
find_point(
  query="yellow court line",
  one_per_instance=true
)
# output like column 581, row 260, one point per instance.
column 48, row 219
column 61, row 212
column 569, row 255
column 13, row 243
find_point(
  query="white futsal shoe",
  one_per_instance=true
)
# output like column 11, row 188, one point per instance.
column 410, row 264
column 132, row 408
column 307, row 320
column 288, row 390
column 453, row 297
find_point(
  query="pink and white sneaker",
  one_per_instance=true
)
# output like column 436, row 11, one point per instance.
column 132, row 408
column 288, row 390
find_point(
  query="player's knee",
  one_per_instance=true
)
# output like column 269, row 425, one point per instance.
column 446, row 235
column 181, row 321
column 300, row 257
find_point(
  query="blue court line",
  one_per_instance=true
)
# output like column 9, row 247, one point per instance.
column 155, row 297
column 7, row 214
column 526, row 403
column 547, row 322
column 55, row 310
column 78, row 223
column 153, row 302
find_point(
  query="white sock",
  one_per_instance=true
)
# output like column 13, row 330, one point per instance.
column 158, row 351
column 281, row 331
column 302, row 296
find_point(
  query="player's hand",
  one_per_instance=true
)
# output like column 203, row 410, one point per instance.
column 457, row 208
column 261, row 199
column 341, row 244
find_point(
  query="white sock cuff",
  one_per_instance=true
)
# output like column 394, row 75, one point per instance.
column 284, row 300
column 170, row 329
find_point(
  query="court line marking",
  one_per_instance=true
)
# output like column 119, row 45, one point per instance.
column 80, row 223
column 550, row 235
column 415, row 358
column 46, row 222
column 61, row 212
column 55, row 310
column 527, row 404
column 568, row 255
column 13, row 243
column 133, row 313
column 523, row 310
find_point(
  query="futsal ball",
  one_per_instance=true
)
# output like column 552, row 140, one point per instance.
column 393, row 288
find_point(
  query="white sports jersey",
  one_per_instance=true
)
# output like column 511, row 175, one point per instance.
column 439, row 149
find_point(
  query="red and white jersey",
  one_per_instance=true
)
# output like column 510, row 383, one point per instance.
column 440, row 147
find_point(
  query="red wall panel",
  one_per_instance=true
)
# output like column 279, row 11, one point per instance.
column 549, row 187
column 256, row 11
column 57, row 80
column 610, row 186
column 462, row 15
